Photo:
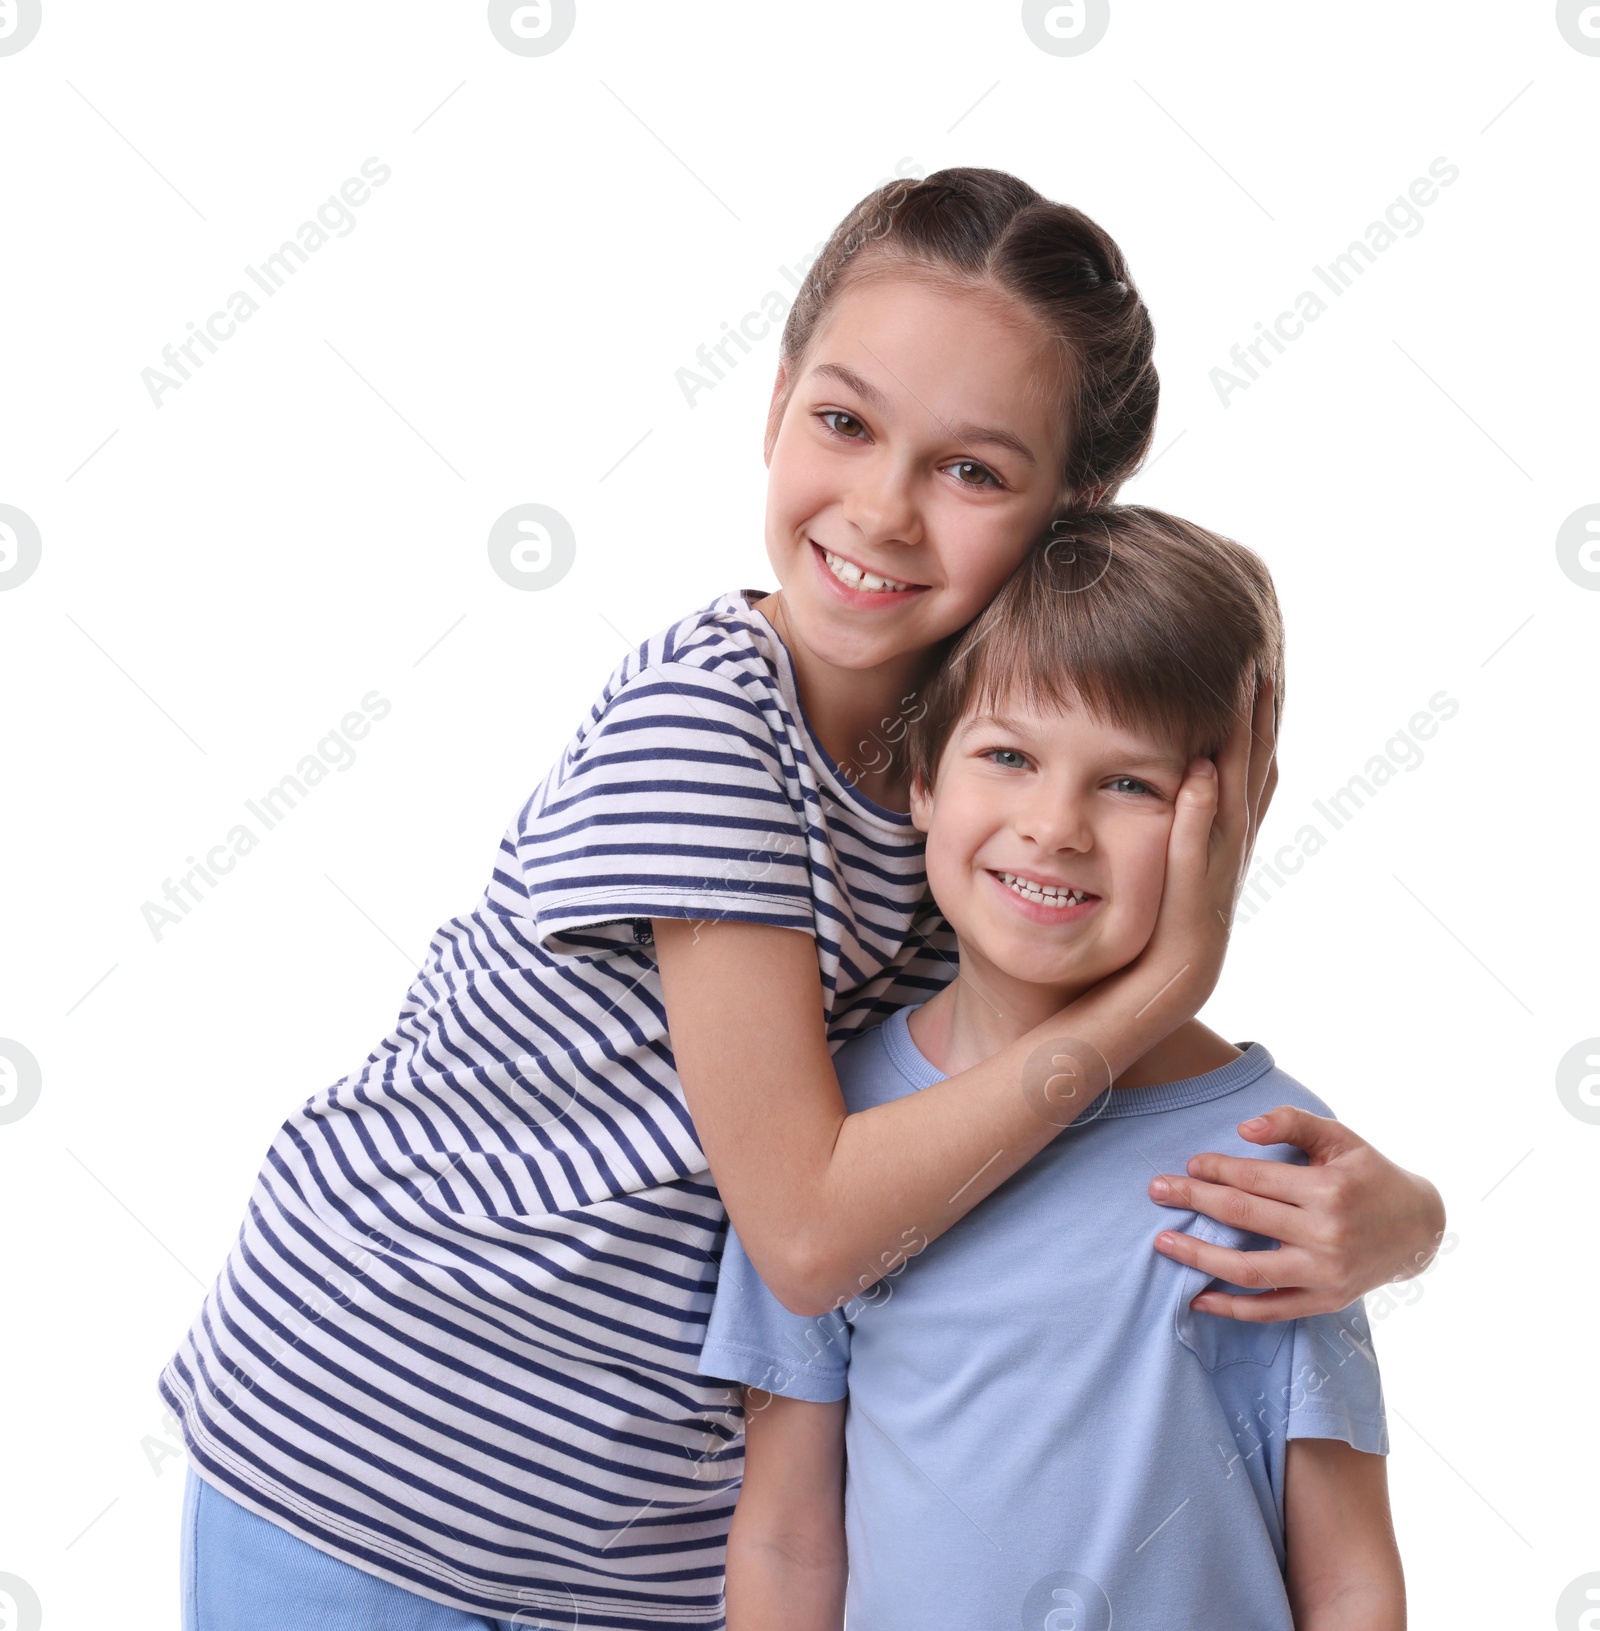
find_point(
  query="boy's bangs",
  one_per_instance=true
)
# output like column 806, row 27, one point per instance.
column 1145, row 621
column 1062, row 670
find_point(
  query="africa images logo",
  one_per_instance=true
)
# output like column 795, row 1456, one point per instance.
column 1066, row 28
column 532, row 28
column 20, row 547
column 19, row 1604
column 19, row 22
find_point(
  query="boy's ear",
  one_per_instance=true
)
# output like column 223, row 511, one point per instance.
column 921, row 804
column 775, row 413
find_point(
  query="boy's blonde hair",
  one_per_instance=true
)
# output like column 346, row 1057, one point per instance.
column 1145, row 620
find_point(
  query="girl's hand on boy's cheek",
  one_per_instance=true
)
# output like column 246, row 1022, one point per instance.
column 1247, row 773
column 1350, row 1221
column 1216, row 816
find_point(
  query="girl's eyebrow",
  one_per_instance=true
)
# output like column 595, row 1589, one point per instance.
column 967, row 435
column 850, row 378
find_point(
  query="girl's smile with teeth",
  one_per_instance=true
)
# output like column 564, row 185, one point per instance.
column 907, row 476
column 857, row 577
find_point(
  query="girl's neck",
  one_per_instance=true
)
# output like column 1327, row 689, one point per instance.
column 859, row 715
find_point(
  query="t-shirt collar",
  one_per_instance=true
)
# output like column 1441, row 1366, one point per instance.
column 1253, row 1062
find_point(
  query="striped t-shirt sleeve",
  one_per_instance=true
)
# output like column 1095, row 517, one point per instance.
column 671, row 803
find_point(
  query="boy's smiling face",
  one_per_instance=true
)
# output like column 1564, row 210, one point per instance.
column 1047, row 842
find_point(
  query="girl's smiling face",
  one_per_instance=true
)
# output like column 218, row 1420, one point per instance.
column 916, row 458
column 1047, row 843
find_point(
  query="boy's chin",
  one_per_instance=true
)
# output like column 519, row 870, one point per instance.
column 1070, row 975
column 1067, row 975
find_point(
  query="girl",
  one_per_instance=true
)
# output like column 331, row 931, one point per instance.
column 447, row 1375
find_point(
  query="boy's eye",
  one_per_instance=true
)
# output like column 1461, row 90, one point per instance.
column 849, row 419
column 1131, row 784
column 989, row 479
column 1007, row 758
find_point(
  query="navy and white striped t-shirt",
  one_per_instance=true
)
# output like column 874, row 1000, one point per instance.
column 455, row 1341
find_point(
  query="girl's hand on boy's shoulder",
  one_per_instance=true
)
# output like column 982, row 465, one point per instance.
column 1349, row 1221
column 1352, row 1219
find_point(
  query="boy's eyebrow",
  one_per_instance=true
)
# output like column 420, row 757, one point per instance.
column 966, row 434
column 1162, row 758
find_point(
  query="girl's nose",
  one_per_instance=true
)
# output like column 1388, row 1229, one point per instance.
column 881, row 504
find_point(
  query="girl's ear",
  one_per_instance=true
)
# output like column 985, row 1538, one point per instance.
column 921, row 805
column 775, row 412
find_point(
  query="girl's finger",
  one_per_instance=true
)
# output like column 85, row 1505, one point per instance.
column 1269, row 1306
column 1189, row 842
column 1321, row 1137
column 1263, row 775
column 1233, row 791
column 1269, row 1180
column 1254, row 1271
column 1257, row 1214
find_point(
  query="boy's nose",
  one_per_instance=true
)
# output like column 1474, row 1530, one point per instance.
column 1054, row 822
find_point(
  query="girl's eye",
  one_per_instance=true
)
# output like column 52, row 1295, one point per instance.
column 1007, row 758
column 989, row 478
column 849, row 419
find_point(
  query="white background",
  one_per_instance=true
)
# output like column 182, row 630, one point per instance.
column 304, row 521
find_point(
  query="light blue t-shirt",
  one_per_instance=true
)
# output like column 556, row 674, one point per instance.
column 1040, row 1431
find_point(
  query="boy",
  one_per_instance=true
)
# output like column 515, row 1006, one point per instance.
column 1039, row 1429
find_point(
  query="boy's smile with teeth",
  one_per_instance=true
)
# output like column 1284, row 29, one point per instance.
column 1047, row 894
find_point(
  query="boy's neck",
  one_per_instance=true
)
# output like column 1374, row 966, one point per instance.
column 983, row 1010
column 860, row 716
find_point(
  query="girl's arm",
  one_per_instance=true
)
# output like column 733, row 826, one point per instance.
column 786, row 1548
column 1344, row 1567
column 826, row 1203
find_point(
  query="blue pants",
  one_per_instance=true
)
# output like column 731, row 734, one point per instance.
column 242, row 1573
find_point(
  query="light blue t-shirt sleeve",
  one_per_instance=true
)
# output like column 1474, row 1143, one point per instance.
column 752, row 1338
column 1335, row 1389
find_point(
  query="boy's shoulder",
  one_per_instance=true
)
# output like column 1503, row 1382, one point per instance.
column 1247, row 1086
column 1213, row 1125
column 882, row 1063
column 1275, row 1080
column 1276, row 1086
column 1297, row 1093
